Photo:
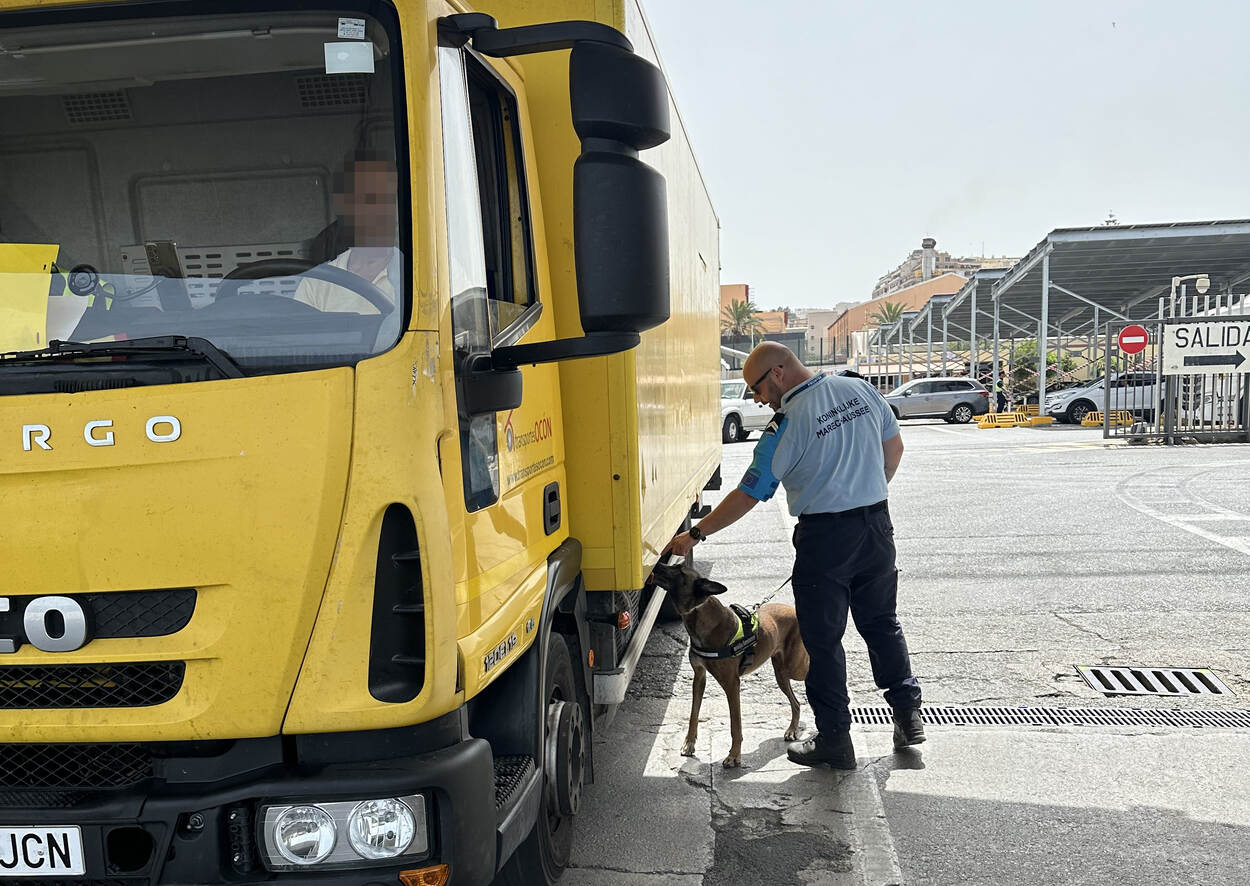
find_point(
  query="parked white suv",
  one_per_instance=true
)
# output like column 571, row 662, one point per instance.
column 739, row 413
column 1136, row 392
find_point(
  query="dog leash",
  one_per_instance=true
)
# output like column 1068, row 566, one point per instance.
column 756, row 607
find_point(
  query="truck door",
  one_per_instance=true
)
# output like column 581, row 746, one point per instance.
column 511, row 464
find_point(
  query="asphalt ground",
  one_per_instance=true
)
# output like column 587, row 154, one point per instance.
column 1023, row 553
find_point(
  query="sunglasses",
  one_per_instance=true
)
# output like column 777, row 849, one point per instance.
column 754, row 387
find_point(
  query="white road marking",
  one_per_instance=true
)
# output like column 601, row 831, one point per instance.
column 1164, row 494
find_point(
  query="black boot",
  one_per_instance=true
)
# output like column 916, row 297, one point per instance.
column 908, row 728
column 836, row 751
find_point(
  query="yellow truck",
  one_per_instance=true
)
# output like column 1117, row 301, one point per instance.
column 356, row 363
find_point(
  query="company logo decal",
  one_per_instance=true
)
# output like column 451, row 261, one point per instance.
column 159, row 429
column 65, row 632
column 541, row 431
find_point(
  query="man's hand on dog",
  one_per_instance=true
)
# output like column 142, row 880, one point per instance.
column 681, row 545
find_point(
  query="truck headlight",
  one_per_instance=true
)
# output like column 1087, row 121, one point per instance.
column 304, row 835
column 346, row 834
column 380, row 828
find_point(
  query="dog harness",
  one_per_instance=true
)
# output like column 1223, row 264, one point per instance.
column 740, row 644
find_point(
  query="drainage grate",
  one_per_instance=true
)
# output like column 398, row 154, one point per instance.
column 1152, row 681
column 1022, row 716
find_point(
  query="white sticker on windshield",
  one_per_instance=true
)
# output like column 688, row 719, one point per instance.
column 349, row 58
column 351, row 29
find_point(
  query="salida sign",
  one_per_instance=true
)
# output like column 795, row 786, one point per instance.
column 1206, row 346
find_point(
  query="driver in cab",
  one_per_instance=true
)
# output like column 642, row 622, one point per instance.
column 364, row 200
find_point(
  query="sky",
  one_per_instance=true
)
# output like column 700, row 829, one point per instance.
column 833, row 137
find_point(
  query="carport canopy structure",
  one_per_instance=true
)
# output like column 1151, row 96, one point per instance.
column 1076, row 278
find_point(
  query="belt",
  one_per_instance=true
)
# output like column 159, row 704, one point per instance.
column 853, row 512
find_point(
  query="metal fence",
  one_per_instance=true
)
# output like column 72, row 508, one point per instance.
column 1204, row 397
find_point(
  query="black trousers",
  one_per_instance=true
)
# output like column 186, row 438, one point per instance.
column 846, row 562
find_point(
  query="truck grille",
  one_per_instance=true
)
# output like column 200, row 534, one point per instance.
column 71, row 767
column 130, row 685
column 140, row 613
column 125, row 614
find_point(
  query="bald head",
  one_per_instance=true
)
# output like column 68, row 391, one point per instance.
column 772, row 370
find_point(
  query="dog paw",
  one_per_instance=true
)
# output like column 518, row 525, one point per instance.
column 731, row 762
column 687, row 750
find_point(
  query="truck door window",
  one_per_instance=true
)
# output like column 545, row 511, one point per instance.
column 504, row 203
column 466, row 248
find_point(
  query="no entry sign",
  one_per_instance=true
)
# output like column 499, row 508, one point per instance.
column 1133, row 339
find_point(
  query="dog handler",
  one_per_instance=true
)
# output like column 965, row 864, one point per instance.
column 834, row 444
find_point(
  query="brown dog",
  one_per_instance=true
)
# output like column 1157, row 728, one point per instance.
column 712, row 626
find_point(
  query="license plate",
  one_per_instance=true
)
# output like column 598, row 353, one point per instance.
column 41, row 851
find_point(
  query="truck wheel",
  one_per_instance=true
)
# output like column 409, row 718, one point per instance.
column 732, row 430
column 544, row 854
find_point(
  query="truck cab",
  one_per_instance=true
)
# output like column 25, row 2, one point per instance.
column 335, row 404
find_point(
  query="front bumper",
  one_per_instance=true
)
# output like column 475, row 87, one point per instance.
column 196, row 819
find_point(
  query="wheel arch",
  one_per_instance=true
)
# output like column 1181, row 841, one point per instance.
column 506, row 713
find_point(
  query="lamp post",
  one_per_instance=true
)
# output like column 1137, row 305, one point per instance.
column 1202, row 282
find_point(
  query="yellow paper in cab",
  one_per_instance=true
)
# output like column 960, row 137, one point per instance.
column 25, row 277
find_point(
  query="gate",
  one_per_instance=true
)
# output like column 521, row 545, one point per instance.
column 1190, row 378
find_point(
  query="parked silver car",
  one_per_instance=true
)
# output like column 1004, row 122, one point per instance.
column 958, row 400
column 739, row 413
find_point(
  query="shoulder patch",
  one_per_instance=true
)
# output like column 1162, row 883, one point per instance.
column 774, row 423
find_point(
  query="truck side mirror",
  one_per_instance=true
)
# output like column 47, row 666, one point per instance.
column 620, row 204
column 487, row 389
column 619, row 105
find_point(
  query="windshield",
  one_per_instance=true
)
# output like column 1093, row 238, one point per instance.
column 731, row 390
column 229, row 177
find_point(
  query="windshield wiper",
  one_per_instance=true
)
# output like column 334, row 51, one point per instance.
column 162, row 345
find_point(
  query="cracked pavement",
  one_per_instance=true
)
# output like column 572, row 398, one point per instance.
column 1020, row 558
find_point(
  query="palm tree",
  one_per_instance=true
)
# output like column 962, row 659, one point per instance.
column 888, row 313
column 738, row 319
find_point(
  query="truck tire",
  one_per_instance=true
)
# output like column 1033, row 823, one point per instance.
column 731, row 432
column 544, row 854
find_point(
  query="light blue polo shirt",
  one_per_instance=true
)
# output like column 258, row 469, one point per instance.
column 824, row 446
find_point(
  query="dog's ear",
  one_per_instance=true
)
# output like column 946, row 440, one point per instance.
column 705, row 587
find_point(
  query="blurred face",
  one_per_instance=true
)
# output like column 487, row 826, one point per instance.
column 366, row 201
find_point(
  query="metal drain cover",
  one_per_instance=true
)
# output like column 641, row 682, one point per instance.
column 1025, row 716
column 1111, row 681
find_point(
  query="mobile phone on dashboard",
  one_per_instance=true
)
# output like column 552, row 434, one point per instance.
column 163, row 259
